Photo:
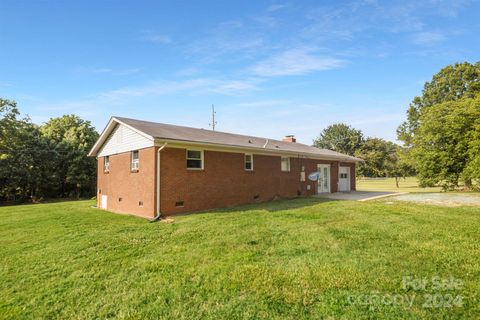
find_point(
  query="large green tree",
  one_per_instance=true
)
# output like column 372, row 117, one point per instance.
column 382, row 159
column 446, row 146
column 472, row 168
column 376, row 152
column 454, row 82
column 23, row 156
column 46, row 161
column 70, row 138
column 341, row 138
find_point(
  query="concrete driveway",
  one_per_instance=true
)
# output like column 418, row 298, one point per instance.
column 357, row 195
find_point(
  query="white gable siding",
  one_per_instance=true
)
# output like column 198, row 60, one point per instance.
column 123, row 139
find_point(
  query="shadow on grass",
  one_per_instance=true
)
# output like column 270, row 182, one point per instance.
column 270, row 206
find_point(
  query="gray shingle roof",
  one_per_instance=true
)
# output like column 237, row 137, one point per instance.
column 187, row 134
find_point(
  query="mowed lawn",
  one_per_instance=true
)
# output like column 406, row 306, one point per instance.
column 409, row 184
column 297, row 259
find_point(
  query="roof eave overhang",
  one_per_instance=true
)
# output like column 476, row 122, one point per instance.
column 172, row 143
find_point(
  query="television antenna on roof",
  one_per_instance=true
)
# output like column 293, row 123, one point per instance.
column 214, row 123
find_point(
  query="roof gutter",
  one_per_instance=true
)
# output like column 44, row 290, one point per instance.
column 158, row 213
column 177, row 143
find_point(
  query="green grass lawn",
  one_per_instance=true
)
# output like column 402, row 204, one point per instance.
column 409, row 184
column 297, row 259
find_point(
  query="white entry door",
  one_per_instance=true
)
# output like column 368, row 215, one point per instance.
column 323, row 178
column 104, row 202
column 344, row 179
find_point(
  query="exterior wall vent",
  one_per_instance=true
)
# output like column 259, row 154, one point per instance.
column 179, row 204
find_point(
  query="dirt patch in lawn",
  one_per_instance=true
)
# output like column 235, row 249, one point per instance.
column 441, row 199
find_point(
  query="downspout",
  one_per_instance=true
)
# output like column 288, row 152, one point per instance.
column 157, row 217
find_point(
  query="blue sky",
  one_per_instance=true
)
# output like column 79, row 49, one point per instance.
column 271, row 68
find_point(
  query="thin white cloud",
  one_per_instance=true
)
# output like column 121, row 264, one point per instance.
column 6, row 84
column 297, row 61
column 267, row 21
column 353, row 20
column 107, row 71
column 227, row 40
column 126, row 72
column 262, row 104
column 236, row 40
column 450, row 8
column 151, row 36
column 150, row 89
column 125, row 95
column 93, row 70
column 234, row 86
column 428, row 38
column 192, row 86
column 188, row 71
column 277, row 7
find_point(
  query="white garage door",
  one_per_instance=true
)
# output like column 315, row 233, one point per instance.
column 344, row 179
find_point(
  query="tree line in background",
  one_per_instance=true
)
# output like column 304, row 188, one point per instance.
column 441, row 136
column 382, row 158
column 441, row 144
column 44, row 161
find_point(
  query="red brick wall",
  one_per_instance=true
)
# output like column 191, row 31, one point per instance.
column 224, row 182
column 132, row 187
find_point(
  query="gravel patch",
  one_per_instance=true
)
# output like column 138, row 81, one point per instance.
column 441, row 199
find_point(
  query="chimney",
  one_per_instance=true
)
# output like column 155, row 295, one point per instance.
column 290, row 138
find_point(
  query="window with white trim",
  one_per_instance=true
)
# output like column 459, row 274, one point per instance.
column 285, row 164
column 194, row 159
column 248, row 161
column 135, row 161
column 106, row 164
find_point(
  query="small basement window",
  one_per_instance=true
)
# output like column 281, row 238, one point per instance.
column 106, row 164
column 135, row 161
column 285, row 164
column 249, row 162
column 194, row 159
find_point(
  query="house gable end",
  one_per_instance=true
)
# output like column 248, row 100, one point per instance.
column 124, row 139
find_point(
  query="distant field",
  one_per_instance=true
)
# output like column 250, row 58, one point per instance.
column 292, row 259
column 409, row 184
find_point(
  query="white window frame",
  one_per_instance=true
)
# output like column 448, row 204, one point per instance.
column 106, row 164
column 245, row 161
column 134, row 163
column 281, row 164
column 202, row 162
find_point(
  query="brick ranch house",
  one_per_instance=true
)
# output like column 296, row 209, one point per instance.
column 151, row 169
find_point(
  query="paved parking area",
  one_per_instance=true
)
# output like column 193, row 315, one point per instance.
column 358, row 195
